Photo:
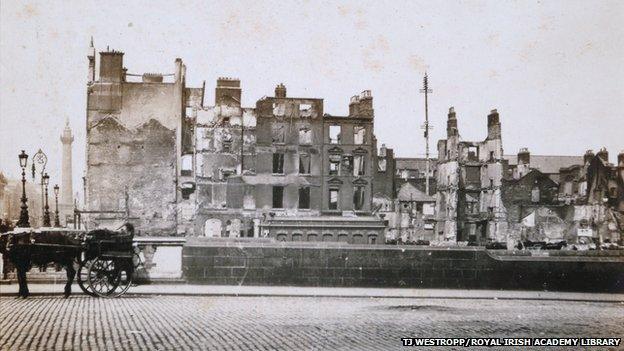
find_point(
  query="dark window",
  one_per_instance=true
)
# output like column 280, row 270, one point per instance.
column 278, row 163
column 358, row 198
column 473, row 175
column 304, row 164
column 227, row 145
column 278, row 196
column 333, row 199
column 334, row 165
column 419, row 207
column 491, row 156
column 304, row 198
column 358, row 165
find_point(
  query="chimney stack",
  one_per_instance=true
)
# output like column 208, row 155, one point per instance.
column 494, row 126
column 451, row 123
column 589, row 154
column 365, row 106
column 280, row 91
column 111, row 66
column 603, row 154
column 524, row 156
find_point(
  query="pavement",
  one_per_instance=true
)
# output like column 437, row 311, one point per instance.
column 230, row 290
column 199, row 322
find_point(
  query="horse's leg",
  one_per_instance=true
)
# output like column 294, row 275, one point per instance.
column 71, row 273
column 21, row 279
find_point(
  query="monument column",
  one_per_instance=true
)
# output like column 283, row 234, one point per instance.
column 66, row 204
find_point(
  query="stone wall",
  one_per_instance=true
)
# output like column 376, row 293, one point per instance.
column 333, row 264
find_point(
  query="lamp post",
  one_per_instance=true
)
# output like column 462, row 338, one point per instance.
column 46, row 213
column 57, row 222
column 23, row 220
column 40, row 159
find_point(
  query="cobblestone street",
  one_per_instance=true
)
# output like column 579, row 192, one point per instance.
column 286, row 323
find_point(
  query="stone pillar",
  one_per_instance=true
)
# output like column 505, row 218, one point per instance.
column 66, row 202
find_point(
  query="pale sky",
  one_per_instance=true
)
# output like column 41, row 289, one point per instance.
column 553, row 69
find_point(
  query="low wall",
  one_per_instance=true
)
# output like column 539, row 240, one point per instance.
column 161, row 256
column 335, row 264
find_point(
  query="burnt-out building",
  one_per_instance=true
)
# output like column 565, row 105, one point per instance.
column 135, row 124
column 524, row 195
column 280, row 167
column 469, row 178
column 159, row 157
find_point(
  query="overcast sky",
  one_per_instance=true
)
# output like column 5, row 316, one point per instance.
column 553, row 69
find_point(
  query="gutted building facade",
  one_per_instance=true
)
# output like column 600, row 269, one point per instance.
column 283, row 162
column 134, row 145
column 469, row 178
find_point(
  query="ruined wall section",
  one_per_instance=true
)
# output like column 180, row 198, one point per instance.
column 133, row 172
column 446, row 207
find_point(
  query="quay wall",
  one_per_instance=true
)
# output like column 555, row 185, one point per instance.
column 240, row 262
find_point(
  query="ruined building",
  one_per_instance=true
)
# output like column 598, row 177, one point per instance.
column 135, row 145
column 158, row 156
column 284, row 169
column 469, row 178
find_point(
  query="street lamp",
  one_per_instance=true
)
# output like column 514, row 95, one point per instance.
column 57, row 223
column 41, row 160
column 46, row 214
column 23, row 220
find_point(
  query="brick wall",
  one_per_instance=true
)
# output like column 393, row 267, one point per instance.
column 333, row 264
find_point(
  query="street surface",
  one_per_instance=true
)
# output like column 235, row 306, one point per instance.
column 157, row 322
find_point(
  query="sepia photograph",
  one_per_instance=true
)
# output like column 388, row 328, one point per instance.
column 311, row 175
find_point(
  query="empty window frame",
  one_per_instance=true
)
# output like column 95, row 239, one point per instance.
column 278, row 163
column 358, row 165
column 333, row 199
column 359, row 134
column 305, row 136
column 334, row 165
column 278, row 196
column 304, row 198
column 334, row 134
column 381, row 164
column 304, row 164
column 473, row 153
column 358, row 197
column 278, row 132
column 187, row 165
column 305, row 110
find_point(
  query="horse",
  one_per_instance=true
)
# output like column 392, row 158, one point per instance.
column 40, row 248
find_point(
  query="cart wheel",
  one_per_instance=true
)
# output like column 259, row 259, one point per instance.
column 124, row 280
column 103, row 277
column 82, row 277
